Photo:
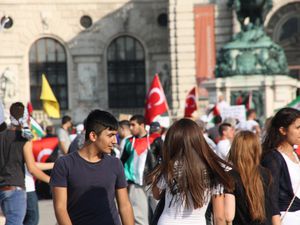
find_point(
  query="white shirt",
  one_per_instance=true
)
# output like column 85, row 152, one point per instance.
column 29, row 181
column 63, row 136
column 223, row 148
column 177, row 213
column 122, row 144
column 292, row 218
column 294, row 169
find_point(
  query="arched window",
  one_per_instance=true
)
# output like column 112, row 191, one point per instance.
column 284, row 28
column 126, row 73
column 47, row 56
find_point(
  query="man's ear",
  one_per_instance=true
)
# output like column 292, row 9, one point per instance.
column 282, row 131
column 92, row 136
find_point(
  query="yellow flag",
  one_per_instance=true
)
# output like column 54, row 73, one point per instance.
column 50, row 103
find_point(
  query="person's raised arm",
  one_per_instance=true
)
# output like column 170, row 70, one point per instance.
column 60, row 205
column 30, row 163
column 124, row 205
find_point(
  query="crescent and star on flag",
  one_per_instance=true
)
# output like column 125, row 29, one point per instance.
column 161, row 99
column 193, row 97
column 156, row 102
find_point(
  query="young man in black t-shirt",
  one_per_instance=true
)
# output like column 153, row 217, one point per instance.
column 86, row 182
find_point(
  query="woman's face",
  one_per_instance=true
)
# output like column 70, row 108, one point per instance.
column 292, row 133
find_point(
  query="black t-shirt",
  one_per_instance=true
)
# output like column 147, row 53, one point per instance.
column 12, row 171
column 242, row 213
column 91, row 188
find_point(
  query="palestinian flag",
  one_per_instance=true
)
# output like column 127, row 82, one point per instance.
column 212, row 113
column 137, row 149
column 43, row 148
column 36, row 129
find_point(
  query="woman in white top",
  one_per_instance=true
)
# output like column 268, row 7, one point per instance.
column 191, row 174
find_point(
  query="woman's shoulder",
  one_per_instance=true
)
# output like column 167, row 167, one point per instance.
column 271, row 154
column 271, row 157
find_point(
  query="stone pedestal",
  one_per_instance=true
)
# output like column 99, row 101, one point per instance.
column 271, row 92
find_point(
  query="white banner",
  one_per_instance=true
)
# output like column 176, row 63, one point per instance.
column 235, row 111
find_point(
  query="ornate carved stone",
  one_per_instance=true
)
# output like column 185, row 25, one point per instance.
column 8, row 83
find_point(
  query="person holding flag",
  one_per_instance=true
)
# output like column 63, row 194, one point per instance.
column 15, row 148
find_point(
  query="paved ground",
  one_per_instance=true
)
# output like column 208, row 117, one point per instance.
column 47, row 216
column 46, row 213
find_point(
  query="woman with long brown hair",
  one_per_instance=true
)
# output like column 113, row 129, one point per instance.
column 190, row 173
column 251, row 194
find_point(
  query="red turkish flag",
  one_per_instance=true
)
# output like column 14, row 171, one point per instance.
column 190, row 103
column 156, row 103
column 43, row 148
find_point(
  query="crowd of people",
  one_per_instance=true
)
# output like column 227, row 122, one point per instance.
column 126, row 172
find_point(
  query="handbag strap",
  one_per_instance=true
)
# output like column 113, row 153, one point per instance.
column 291, row 203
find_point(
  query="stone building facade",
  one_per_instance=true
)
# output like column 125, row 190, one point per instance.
column 84, row 47
column 92, row 52
column 282, row 24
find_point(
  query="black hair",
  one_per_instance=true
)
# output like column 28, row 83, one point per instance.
column 223, row 127
column 99, row 120
column 283, row 118
column 17, row 110
column 65, row 119
column 124, row 123
column 139, row 119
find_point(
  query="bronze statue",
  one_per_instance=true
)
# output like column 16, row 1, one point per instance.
column 254, row 9
column 251, row 51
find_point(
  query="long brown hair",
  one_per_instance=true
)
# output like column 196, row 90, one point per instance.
column 245, row 155
column 191, row 164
